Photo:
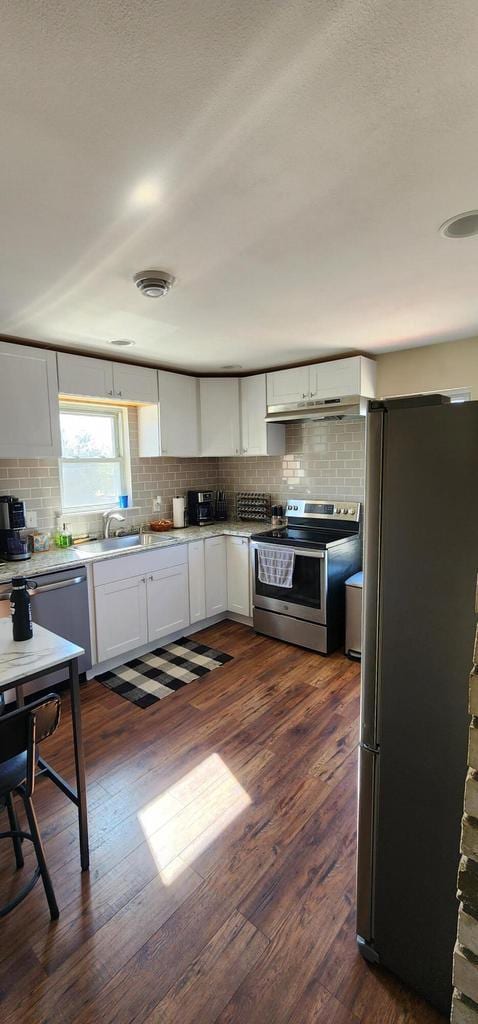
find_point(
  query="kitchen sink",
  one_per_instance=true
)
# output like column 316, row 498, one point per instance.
column 132, row 543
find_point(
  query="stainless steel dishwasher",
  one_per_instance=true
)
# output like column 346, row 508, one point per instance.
column 60, row 603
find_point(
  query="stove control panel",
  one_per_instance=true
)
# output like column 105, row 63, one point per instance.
column 311, row 508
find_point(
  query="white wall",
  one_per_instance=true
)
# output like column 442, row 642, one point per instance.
column 453, row 364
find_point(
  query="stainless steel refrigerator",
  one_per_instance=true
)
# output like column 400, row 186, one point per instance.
column 421, row 563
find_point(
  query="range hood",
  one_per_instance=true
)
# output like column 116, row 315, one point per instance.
column 318, row 409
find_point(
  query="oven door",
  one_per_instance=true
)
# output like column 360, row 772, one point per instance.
column 307, row 598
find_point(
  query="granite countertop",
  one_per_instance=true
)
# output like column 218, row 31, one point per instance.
column 62, row 558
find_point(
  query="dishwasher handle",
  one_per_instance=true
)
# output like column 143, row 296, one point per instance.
column 39, row 588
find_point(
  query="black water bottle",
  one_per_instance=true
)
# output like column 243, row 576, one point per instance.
column 21, row 610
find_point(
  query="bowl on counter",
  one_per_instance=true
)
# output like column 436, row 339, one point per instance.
column 160, row 525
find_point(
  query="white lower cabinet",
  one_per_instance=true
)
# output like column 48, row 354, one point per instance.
column 215, row 564
column 238, row 575
column 197, row 581
column 121, row 617
column 166, row 590
column 168, row 601
column 140, row 598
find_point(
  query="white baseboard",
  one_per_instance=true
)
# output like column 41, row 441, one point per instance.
column 195, row 627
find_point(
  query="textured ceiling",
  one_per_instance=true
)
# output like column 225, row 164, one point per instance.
column 290, row 162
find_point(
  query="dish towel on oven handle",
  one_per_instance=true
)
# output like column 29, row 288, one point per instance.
column 276, row 566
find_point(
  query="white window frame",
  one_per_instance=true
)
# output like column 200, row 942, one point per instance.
column 122, row 456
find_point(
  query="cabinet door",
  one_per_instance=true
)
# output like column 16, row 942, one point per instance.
column 79, row 375
column 168, row 601
column 336, row 379
column 238, row 575
column 29, row 414
column 257, row 436
column 121, row 619
column 178, row 414
column 197, row 582
column 284, row 387
column 135, row 383
column 219, row 412
column 216, row 575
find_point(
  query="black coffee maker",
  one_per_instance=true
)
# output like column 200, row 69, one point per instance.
column 13, row 547
column 200, row 508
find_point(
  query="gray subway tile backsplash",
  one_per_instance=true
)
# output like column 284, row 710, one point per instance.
column 323, row 459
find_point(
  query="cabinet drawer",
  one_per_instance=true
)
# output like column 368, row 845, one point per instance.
column 138, row 564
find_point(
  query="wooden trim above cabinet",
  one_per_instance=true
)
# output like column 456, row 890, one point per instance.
column 114, row 358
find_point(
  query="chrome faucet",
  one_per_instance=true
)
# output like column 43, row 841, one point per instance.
column 109, row 516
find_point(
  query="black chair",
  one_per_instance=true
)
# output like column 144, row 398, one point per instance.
column 20, row 732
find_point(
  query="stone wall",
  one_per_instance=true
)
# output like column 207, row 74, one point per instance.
column 465, row 961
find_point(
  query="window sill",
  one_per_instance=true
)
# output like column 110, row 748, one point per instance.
column 83, row 514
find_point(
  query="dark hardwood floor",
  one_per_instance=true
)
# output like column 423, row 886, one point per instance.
column 221, row 888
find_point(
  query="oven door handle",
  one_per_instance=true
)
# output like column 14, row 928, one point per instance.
column 298, row 551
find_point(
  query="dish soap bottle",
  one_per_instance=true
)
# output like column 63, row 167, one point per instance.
column 66, row 540
column 20, row 607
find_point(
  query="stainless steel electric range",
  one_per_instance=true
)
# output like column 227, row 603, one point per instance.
column 325, row 539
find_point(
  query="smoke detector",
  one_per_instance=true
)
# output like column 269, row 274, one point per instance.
column 463, row 225
column 153, row 283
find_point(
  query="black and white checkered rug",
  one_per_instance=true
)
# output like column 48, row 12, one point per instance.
column 155, row 675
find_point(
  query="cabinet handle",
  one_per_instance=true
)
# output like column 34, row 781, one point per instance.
column 143, row 579
column 304, row 394
column 119, row 394
column 110, row 393
column 244, row 450
column 151, row 578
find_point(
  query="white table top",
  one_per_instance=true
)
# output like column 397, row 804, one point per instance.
column 19, row 659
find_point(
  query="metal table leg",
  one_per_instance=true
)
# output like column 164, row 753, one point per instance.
column 79, row 764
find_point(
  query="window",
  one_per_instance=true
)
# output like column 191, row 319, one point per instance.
column 458, row 394
column 94, row 464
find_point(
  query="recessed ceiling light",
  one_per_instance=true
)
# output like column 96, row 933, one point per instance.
column 464, row 225
column 232, row 366
column 122, row 342
column 153, row 283
column 145, row 193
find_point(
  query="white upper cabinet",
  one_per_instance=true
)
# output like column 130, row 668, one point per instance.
column 342, row 377
column 178, row 414
column 336, row 378
column 135, row 383
column 257, row 436
column 29, row 414
column 172, row 427
column 219, row 416
column 100, row 378
column 285, row 387
column 79, row 375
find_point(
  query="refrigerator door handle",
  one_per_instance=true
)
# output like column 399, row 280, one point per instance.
column 372, row 560
column 368, row 769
